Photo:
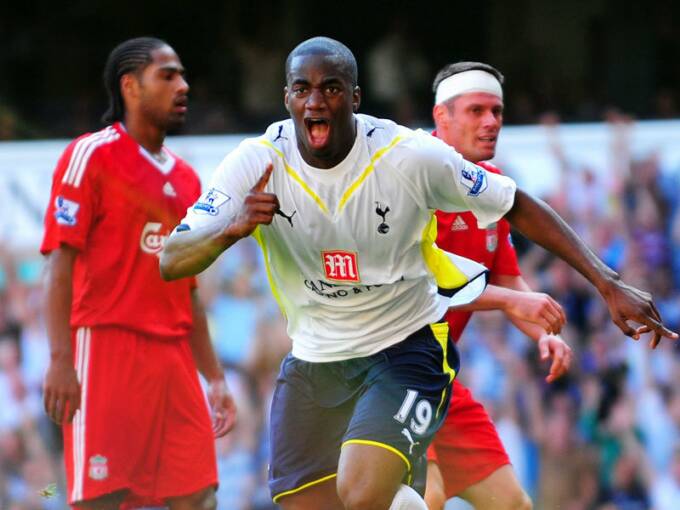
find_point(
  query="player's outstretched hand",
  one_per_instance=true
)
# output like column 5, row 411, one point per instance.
column 61, row 392
column 223, row 407
column 258, row 208
column 551, row 346
column 626, row 303
column 538, row 308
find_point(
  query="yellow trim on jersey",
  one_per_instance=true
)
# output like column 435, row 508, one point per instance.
column 367, row 171
column 448, row 276
column 303, row 487
column 257, row 234
column 440, row 330
column 386, row 447
column 296, row 177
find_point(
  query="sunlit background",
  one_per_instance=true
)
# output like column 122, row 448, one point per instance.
column 592, row 126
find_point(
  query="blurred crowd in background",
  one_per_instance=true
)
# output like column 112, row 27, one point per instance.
column 576, row 58
column 605, row 437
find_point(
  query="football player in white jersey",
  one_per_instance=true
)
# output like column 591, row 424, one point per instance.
column 341, row 204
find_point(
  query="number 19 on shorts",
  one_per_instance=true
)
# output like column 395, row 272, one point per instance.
column 422, row 415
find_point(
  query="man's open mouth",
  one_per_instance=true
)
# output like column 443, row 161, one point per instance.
column 318, row 131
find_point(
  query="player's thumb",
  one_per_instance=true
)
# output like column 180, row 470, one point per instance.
column 543, row 349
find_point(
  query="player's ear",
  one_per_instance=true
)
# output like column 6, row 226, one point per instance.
column 285, row 98
column 356, row 99
column 440, row 114
column 128, row 85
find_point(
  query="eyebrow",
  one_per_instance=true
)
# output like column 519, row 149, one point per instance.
column 173, row 68
column 299, row 81
column 473, row 105
column 327, row 81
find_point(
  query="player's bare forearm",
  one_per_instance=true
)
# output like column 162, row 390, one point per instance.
column 539, row 222
column 58, row 297
column 61, row 390
column 534, row 312
column 201, row 346
column 493, row 298
column 220, row 399
column 190, row 252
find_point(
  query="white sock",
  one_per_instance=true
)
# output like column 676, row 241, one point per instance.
column 407, row 499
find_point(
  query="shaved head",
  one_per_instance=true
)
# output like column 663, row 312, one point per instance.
column 344, row 57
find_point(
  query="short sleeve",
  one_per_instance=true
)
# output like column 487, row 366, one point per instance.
column 227, row 189
column 505, row 259
column 445, row 181
column 73, row 199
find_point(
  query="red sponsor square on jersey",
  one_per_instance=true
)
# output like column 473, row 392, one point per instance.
column 340, row 265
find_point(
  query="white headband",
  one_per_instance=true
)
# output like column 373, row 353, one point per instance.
column 465, row 82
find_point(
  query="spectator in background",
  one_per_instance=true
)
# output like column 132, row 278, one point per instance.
column 566, row 468
column 259, row 49
column 665, row 490
column 397, row 74
column 12, row 388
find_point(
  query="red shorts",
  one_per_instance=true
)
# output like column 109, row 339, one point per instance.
column 466, row 447
column 143, row 423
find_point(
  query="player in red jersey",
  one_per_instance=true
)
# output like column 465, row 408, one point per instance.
column 125, row 344
column 467, row 458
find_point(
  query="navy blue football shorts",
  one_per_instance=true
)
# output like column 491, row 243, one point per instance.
column 395, row 399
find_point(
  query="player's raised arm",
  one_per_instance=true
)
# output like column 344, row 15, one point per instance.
column 189, row 251
column 540, row 223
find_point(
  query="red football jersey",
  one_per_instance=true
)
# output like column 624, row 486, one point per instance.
column 458, row 233
column 116, row 204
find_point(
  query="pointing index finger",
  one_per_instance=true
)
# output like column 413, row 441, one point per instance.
column 264, row 179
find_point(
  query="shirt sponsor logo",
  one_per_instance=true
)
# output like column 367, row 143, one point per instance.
column 474, row 179
column 152, row 241
column 65, row 211
column 335, row 290
column 340, row 265
column 99, row 469
column 210, row 202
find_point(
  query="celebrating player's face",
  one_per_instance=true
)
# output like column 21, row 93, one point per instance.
column 472, row 127
column 163, row 90
column 321, row 101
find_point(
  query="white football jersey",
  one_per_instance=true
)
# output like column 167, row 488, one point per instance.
column 351, row 256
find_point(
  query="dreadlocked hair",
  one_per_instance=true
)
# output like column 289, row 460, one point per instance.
column 130, row 56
